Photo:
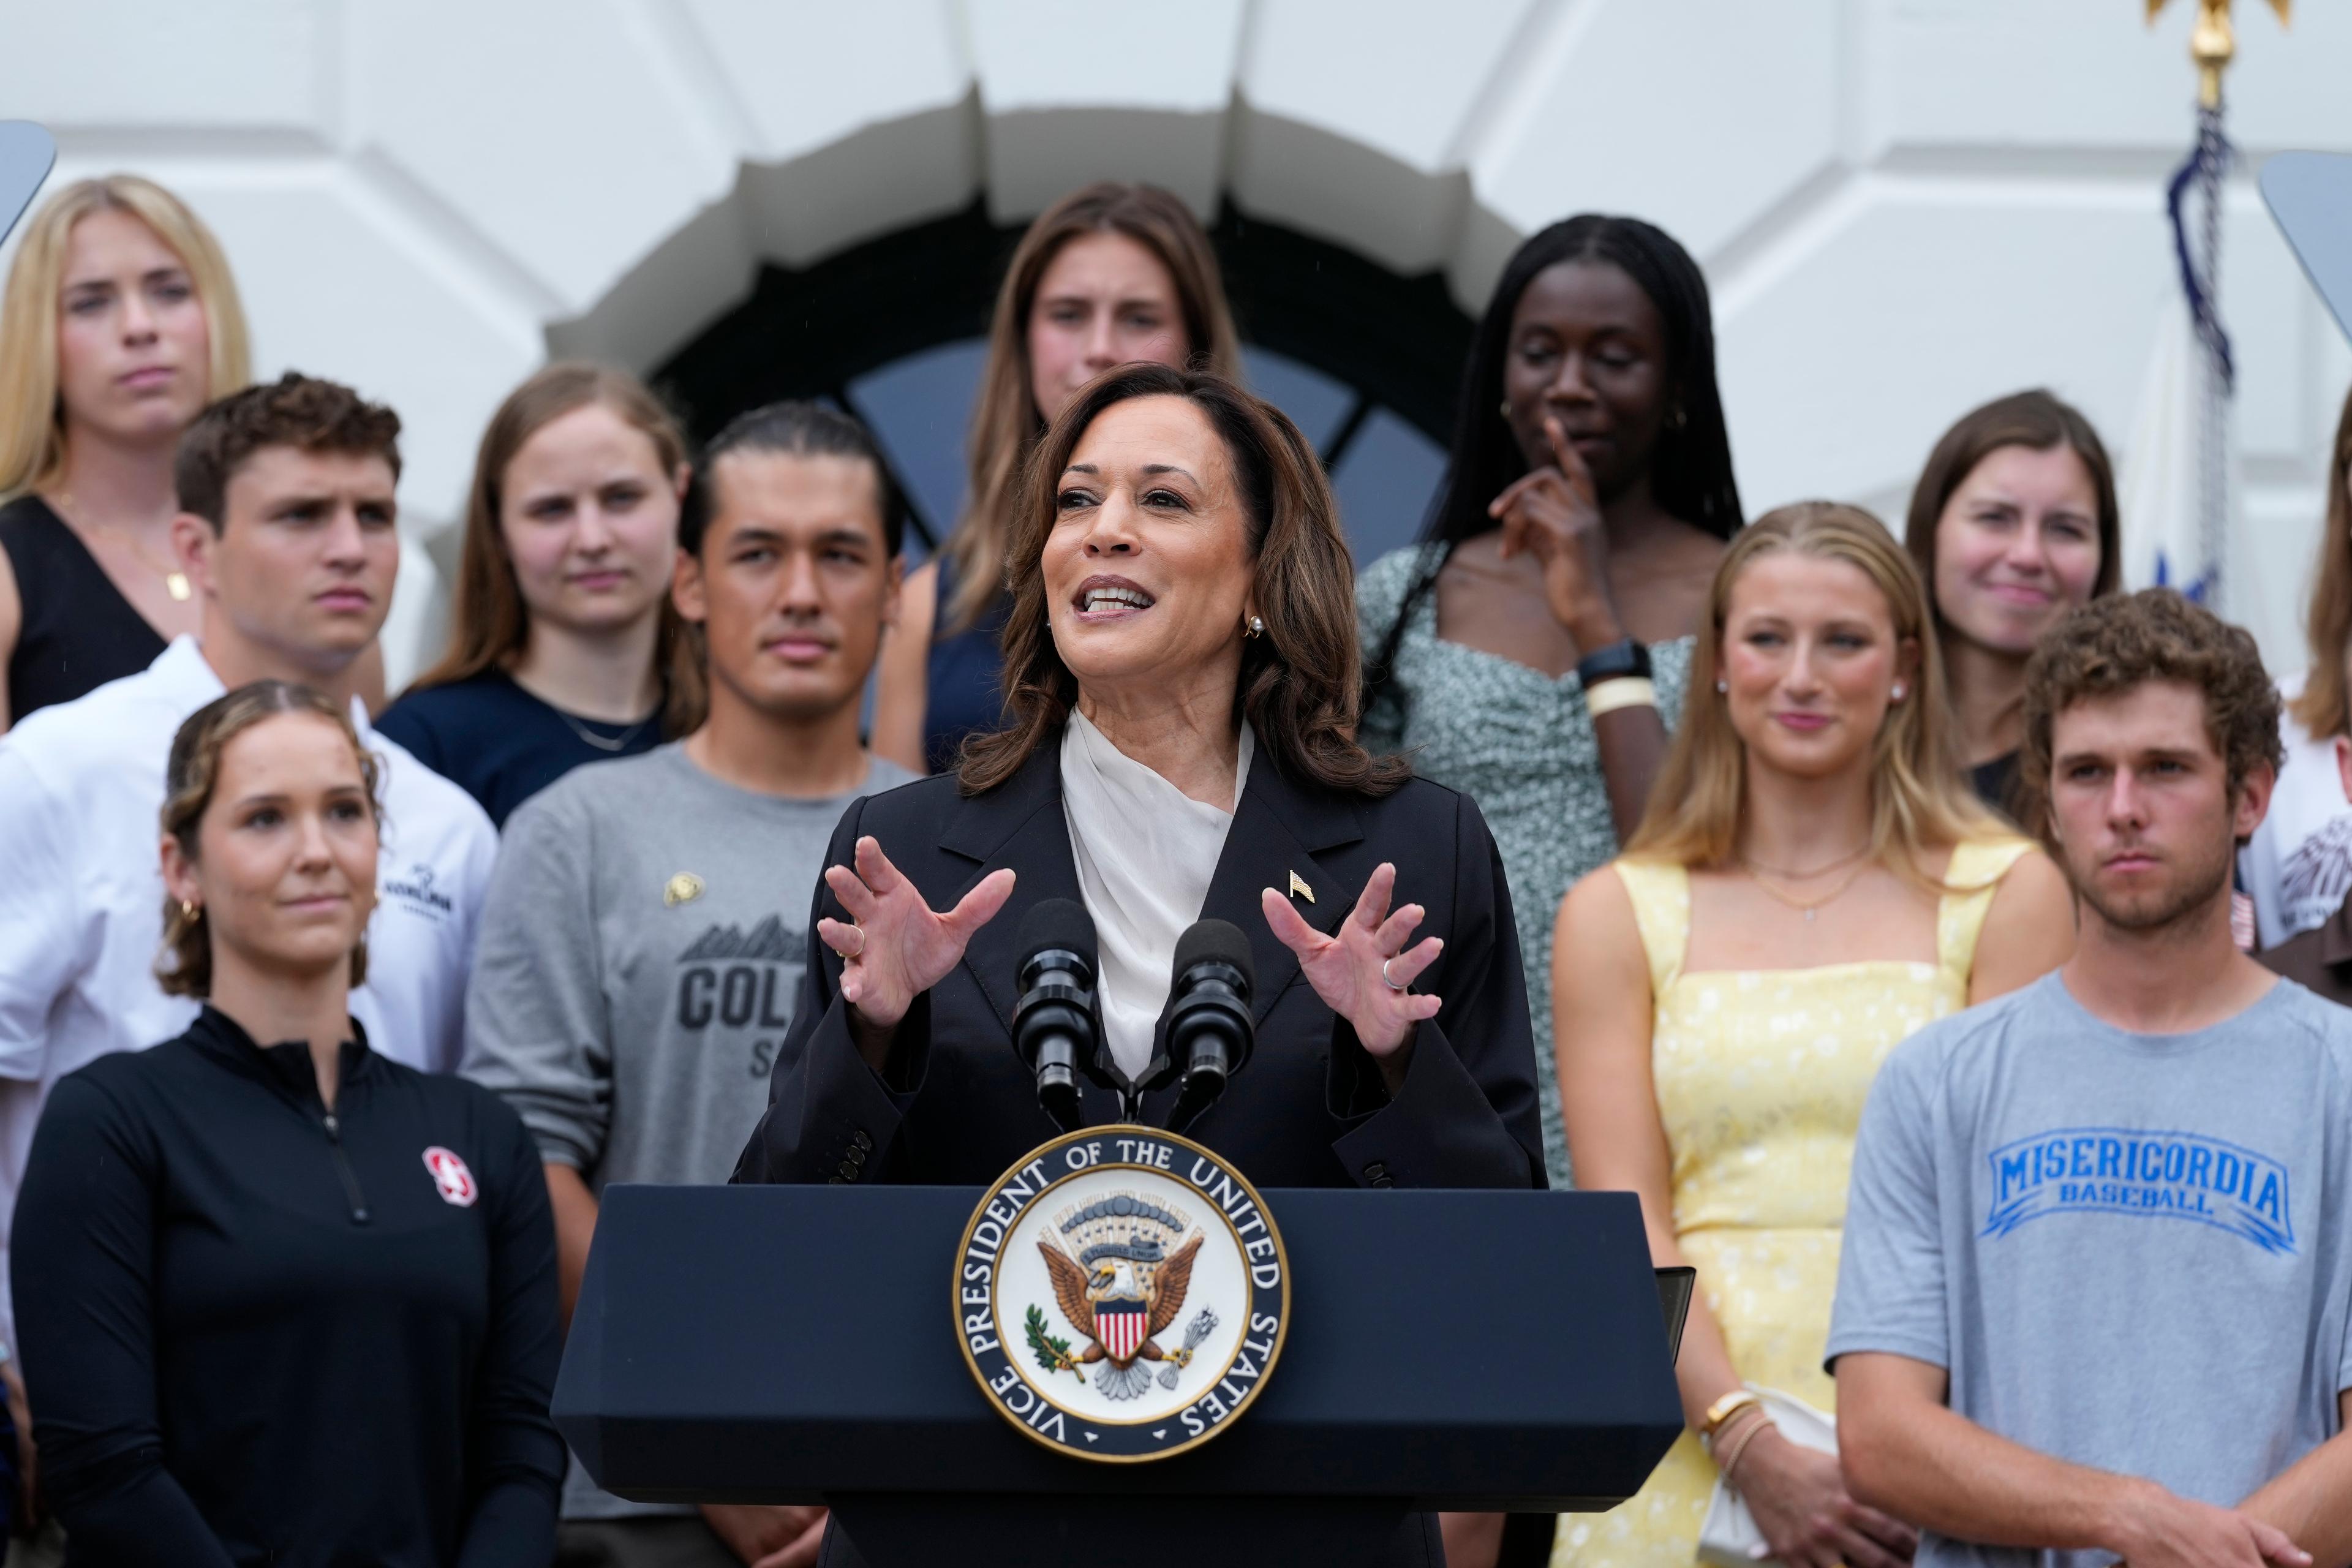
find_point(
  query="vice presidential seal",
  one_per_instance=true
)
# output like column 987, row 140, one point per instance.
column 1121, row 1294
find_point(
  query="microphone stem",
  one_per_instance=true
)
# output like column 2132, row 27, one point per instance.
column 1192, row 1104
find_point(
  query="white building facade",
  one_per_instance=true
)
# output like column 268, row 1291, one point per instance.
column 1903, row 207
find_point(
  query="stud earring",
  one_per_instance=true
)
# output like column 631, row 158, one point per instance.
column 1506, row 408
column 188, row 910
column 1256, row 627
column 1677, row 416
column 1723, row 686
column 1898, row 691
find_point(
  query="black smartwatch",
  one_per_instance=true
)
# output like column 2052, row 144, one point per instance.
column 1616, row 662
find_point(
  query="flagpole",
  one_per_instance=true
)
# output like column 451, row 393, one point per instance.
column 2212, row 45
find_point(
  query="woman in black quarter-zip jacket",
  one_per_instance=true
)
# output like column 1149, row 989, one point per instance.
column 290, row 1303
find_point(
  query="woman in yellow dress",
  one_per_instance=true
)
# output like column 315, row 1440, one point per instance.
column 1811, row 883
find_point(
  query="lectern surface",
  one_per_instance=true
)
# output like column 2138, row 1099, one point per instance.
column 1473, row 1349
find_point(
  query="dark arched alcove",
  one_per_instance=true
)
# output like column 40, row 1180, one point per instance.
column 1364, row 359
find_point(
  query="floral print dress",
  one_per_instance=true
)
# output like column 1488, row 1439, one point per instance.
column 1520, row 743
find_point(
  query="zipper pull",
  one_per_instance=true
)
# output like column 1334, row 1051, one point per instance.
column 352, row 1192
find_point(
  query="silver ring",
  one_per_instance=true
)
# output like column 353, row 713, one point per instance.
column 1388, row 979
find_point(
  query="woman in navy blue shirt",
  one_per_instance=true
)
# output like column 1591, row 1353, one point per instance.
column 565, row 649
column 281, row 1299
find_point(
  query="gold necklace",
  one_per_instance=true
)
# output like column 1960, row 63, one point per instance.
column 1820, row 870
column 175, row 581
column 1806, row 908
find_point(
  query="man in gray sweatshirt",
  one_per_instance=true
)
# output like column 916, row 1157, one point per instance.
column 645, row 931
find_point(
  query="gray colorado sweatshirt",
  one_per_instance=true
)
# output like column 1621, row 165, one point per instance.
column 641, row 955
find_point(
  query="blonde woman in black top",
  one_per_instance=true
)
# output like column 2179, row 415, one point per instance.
column 283, row 1299
column 120, row 322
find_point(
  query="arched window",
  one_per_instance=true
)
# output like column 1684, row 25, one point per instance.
column 1364, row 360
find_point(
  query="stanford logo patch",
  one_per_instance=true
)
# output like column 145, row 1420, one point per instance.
column 450, row 1175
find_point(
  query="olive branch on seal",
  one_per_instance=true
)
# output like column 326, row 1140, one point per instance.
column 1053, row 1355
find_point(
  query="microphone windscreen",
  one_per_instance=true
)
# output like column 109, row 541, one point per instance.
column 1058, row 923
column 1220, row 940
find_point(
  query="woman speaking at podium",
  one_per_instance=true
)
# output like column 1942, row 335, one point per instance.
column 1182, row 684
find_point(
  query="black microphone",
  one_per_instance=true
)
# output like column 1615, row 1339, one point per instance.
column 1057, row 1027
column 1210, row 1031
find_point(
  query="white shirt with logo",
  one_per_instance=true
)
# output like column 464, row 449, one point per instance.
column 81, row 897
column 2298, row 864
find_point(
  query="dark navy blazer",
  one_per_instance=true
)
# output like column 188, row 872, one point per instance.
column 1309, row 1110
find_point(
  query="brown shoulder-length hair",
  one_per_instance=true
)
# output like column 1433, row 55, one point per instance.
column 1918, row 803
column 185, row 967
column 2319, row 706
column 2035, row 419
column 1301, row 683
column 1005, row 421
column 491, row 622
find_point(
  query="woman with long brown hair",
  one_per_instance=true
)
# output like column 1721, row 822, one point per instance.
column 1182, row 692
column 1810, row 883
column 1182, row 684
column 1111, row 275
column 2298, row 864
column 120, row 322
column 2012, row 524
column 566, row 648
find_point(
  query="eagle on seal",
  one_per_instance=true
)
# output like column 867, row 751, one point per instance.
column 1120, row 1291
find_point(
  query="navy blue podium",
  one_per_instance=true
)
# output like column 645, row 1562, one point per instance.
column 1484, row 1350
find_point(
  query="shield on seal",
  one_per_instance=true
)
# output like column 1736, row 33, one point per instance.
column 1123, row 1326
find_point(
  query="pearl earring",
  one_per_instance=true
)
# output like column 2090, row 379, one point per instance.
column 1898, row 691
column 1723, row 686
column 1506, row 408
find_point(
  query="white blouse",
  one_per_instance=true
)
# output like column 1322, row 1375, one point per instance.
column 1146, row 852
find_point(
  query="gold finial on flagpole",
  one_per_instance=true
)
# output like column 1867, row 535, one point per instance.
column 2214, row 43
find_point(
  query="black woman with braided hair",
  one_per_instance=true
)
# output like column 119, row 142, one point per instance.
column 1532, row 649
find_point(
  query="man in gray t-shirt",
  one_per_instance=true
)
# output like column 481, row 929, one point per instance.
column 647, row 925
column 2096, row 1277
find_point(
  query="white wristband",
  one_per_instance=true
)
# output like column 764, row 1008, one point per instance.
column 1625, row 691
